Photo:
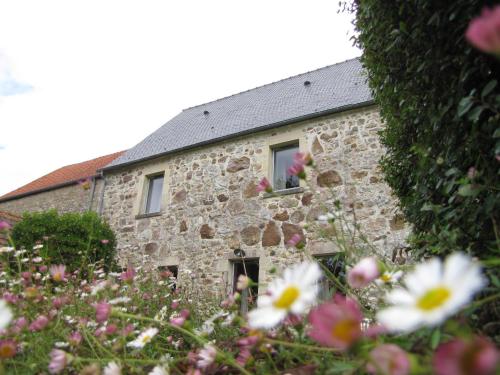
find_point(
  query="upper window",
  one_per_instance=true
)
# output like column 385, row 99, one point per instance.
column 282, row 160
column 153, row 200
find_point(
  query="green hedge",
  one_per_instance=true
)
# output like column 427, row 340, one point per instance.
column 440, row 100
column 71, row 239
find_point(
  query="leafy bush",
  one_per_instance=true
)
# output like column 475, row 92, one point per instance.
column 70, row 238
column 440, row 100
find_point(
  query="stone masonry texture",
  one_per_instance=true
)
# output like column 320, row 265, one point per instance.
column 211, row 208
column 71, row 198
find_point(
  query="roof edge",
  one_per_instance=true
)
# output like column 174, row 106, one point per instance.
column 43, row 190
column 246, row 132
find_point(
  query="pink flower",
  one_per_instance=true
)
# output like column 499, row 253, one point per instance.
column 363, row 273
column 58, row 361
column 336, row 323
column 264, row 185
column 8, row 348
column 388, row 359
column 75, row 338
column 58, row 272
column 102, row 311
column 295, row 241
column 43, row 268
column 484, row 31
column 128, row 275
column 206, row 356
column 477, row 356
column 59, row 302
column 4, row 225
column 128, row 330
column 243, row 356
column 39, row 323
column 104, row 241
column 10, row 298
column 111, row 329
column 19, row 324
column 174, row 305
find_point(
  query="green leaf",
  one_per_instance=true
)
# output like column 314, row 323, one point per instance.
column 488, row 88
column 468, row 190
column 435, row 338
column 464, row 106
column 496, row 134
column 475, row 113
column 495, row 281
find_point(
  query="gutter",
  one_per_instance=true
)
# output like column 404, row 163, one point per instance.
column 245, row 132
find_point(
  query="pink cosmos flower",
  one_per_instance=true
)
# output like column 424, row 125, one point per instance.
column 264, row 185
column 59, row 302
column 10, row 298
column 336, row 323
column 388, row 359
column 58, row 272
column 8, row 348
column 128, row 275
column 102, row 311
column 295, row 241
column 4, row 225
column 243, row 356
column 477, row 356
column 19, row 324
column 484, row 31
column 206, row 356
column 43, row 268
column 39, row 323
column 111, row 329
column 59, row 359
column 75, row 338
column 363, row 273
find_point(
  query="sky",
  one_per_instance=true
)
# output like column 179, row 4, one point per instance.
column 82, row 79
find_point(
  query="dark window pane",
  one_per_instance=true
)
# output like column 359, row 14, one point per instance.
column 335, row 264
column 283, row 159
column 153, row 203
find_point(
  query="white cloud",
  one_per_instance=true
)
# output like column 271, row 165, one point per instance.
column 108, row 73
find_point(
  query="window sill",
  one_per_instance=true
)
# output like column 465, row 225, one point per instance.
column 296, row 190
column 143, row 216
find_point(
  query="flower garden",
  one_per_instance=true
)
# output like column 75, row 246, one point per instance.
column 418, row 318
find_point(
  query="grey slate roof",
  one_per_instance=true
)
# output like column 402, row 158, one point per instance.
column 332, row 89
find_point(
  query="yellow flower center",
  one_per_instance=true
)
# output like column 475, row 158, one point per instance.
column 7, row 351
column 146, row 339
column 434, row 298
column 346, row 330
column 57, row 276
column 386, row 277
column 287, row 298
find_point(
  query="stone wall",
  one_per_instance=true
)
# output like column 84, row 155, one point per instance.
column 72, row 198
column 210, row 206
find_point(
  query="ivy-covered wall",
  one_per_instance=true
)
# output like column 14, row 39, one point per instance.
column 440, row 100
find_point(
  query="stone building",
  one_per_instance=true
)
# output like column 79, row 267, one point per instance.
column 72, row 188
column 185, row 197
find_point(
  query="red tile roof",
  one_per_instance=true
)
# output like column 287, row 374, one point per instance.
column 62, row 176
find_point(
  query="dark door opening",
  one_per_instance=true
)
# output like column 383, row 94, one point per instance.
column 250, row 268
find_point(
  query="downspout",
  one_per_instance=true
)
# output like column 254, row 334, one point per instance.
column 92, row 192
column 101, row 201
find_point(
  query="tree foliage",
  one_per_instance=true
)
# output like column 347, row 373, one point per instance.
column 71, row 238
column 440, row 100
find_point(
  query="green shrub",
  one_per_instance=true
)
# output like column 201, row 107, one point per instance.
column 72, row 239
column 440, row 100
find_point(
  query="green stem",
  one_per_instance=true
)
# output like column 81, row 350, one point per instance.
column 302, row 346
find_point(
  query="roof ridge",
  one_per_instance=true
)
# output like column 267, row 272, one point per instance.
column 271, row 83
column 86, row 161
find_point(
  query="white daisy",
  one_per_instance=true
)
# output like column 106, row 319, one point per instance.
column 433, row 292
column 5, row 314
column 391, row 277
column 112, row 369
column 7, row 249
column 159, row 370
column 294, row 293
column 145, row 337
